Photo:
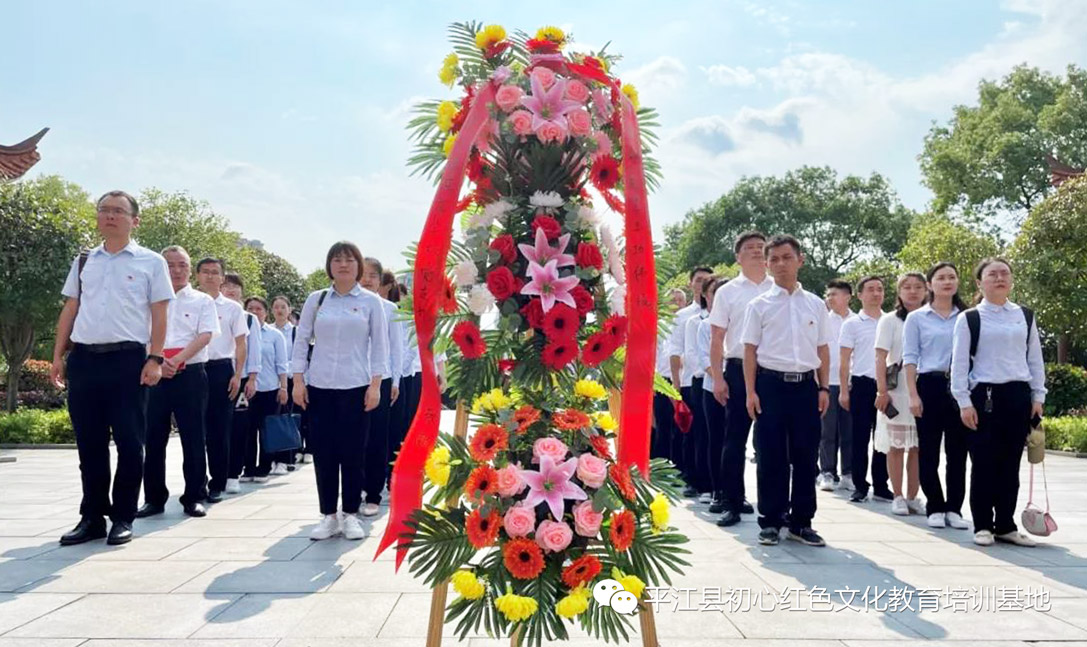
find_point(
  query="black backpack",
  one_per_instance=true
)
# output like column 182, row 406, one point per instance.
column 973, row 322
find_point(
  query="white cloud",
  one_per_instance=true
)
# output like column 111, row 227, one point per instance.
column 661, row 75
column 727, row 76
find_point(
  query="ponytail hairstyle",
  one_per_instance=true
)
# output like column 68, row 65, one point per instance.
column 956, row 300
column 900, row 308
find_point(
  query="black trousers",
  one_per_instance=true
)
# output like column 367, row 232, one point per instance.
column 262, row 405
column 787, row 437
column 940, row 421
column 217, row 422
column 184, row 397
column 663, row 427
column 698, row 445
column 862, row 407
column 737, row 430
column 837, row 437
column 376, row 470
column 996, row 449
column 105, row 399
column 239, row 432
column 716, row 427
column 407, row 404
column 338, row 426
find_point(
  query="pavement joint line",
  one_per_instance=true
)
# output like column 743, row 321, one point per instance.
column 78, row 597
column 211, row 565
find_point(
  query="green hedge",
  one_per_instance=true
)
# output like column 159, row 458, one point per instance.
column 1067, row 386
column 34, row 426
column 1068, row 434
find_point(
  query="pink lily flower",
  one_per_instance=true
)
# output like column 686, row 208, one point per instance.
column 552, row 484
column 544, row 252
column 548, row 106
column 547, row 285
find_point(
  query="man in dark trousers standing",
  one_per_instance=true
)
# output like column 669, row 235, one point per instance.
column 115, row 319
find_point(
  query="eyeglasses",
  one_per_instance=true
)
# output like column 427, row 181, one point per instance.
column 113, row 211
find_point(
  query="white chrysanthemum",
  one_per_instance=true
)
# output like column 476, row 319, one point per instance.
column 548, row 200
column 615, row 266
column 480, row 300
column 465, row 273
column 490, row 213
column 617, row 300
column 588, row 216
column 615, row 259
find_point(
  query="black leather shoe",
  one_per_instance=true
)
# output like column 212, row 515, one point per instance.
column 120, row 533
column 806, row 536
column 691, row 493
column 770, row 536
column 730, row 518
column 215, row 496
column 883, row 495
column 88, row 529
column 747, row 508
column 196, row 510
column 149, row 510
column 717, row 507
column 858, row 497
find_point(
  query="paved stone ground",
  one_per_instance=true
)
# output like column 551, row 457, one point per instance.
column 248, row 576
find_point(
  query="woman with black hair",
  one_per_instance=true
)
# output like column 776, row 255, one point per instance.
column 694, row 371
column 715, row 413
column 998, row 379
column 926, row 355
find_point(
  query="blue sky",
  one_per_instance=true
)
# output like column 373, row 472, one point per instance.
column 288, row 117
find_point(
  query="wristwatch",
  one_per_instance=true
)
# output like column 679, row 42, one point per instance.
column 825, row 388
column 156, row 359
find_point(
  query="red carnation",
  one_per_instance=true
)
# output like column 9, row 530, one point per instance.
column 598, row 348
column 558, row 353
column 505, row 246
column 533, row 312
column 502, row 283
column 584, row 300
column 549, row 225
column 469, row 340
column 605, row 173
column 561, row 322
column 615, row 327
column 496, row 49
column 588, row 255
column 542, row 46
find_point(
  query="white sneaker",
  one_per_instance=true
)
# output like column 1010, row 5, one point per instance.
column 370, row 510
column 246, row 479
column 916, row 506
column 1017, row 538
column 280, row 469
column 705, row 497
column 983, row 538
column 937, row 520
column 233, row 486
column 328, row 528
column 847, row 483
column 900, row 507
column 825, row 482
column 307, row 458
column 352, row 527
column 955, row 520
column 260, row 479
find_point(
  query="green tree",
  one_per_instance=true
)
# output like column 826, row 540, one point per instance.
column 179, row 219
column 43, row 225
column 990, row 158
column 279, row 277
column 934, row 238
column 840, row 222
column 316, row 280
column 1051, row 263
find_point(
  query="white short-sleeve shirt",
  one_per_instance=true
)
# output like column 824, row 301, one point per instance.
column 729, row 305
column 788, row 329
column 190, row 314
column 232, row 325
column 859, row 333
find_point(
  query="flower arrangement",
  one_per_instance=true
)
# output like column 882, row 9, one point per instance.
column 525, row 513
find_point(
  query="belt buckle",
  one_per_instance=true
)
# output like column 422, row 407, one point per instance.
column 792, row 377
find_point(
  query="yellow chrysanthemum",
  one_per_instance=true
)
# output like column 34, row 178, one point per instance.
column 449, row 72
column 490, row 36
column 516, row 607
column 605, row 421
column 446, row 111
column 493, row 401
column 551, row 33
column 632, row 94
column 590, row 389
column 659, row 511
column 499, row 400
column 633, row 585
column 574, row 604
column 467, row 585
column 437, row 466
column 447, row 147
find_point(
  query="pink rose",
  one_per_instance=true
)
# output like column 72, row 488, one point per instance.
column 580, row 122
column 553, row 536
column 551, row 131
column 510, row 482
column 545, row 76
column 576, row 91
column 522, row 122
column 591, row 470
column 508, row 97
column 586, row 520
column 552, row 447
column 603, row 144
column 519, row 521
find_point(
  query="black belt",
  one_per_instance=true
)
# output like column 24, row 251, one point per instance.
column 786, row 376
column 219, row 362
column 734, row 361
column 115, row 347
column 933, row 374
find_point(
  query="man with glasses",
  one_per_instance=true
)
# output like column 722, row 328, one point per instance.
column 114, row 317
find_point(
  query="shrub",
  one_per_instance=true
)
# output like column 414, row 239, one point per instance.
column 35, row 376
column 35, row 426
column 1067, row 385
column 1066, row 434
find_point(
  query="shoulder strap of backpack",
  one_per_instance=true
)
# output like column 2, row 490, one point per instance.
column 1028, row 314
column 313, row 337
column 83, row 256
column 973, row 323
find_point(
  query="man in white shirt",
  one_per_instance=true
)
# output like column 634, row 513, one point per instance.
column 114, row 316
column 233, row 288
column 837, row 422
column 663, row 412
column 726, row 368
column 182, row 393
column 676, row 348
column 786, row 364
column 226, row 367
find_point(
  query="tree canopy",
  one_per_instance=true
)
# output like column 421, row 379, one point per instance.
column 279, row 277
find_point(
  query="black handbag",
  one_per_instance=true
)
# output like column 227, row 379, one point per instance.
column 281, row 433
column 892, row 376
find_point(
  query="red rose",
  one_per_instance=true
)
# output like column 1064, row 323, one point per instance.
column 584, row 300
column 550, row 226
column 588, row 255
column 561, row 322
column 505, row 246
column 470, row 341
column 533, row 312
column 501, row 283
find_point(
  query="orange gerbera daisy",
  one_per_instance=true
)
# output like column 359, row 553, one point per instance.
column 482, row 481
column 523, row 558
column 622, row 530
column 487, row 442
column 600, row 446
column 525, row 417
column 571, row 419
column 621, row 478
column 583, row 570
column 482, row 531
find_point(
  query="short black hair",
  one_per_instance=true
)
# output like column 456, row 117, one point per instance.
column 840, row 284
column 232, row 278
column 707, row 270
column 347, row 248
column 259, row 300
column 863, row 281
column 783, row 239
column 376, row 264
column 121, row 194
column 956, row 300
column 208, row 261
column 746, row 236
column 989, row 261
